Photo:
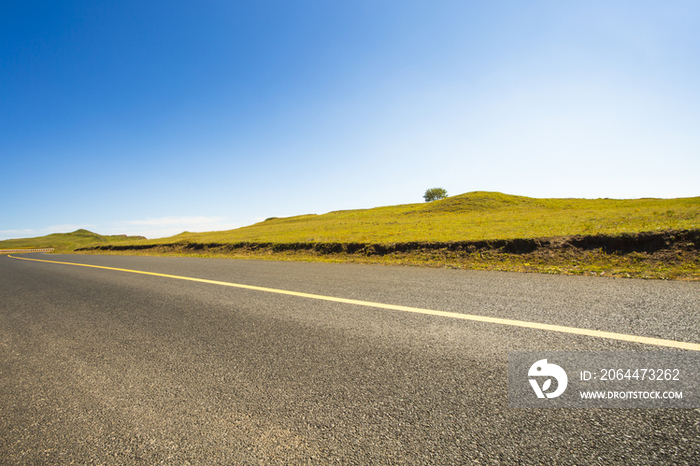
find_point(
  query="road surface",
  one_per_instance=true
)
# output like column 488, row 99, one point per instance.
column 106, row 366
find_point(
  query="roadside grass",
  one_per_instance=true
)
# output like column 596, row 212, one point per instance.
column 665, row 265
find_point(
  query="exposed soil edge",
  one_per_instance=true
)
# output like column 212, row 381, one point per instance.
column 625, row 243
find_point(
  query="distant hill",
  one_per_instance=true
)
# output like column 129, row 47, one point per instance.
column 66, row 242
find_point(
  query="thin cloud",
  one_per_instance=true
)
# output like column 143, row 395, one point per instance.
column 16, row 234
column 163, row 221
column 168, row 226
column 67, row 228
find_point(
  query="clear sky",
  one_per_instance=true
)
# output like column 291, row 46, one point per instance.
column 155, row 117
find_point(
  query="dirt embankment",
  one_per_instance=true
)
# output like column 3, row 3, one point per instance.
column 626, row 243
column 665, row 255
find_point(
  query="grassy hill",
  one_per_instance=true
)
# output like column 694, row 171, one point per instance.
column 468, row 217
column 658, row 238
column 66, row 242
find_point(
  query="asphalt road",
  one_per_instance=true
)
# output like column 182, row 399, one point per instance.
column 107, row 367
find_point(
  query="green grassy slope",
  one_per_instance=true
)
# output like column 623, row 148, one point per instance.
column 470, row 216
column 64, row 242
column 466, row 217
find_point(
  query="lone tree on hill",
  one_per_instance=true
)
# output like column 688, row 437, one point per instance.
column 434, row 194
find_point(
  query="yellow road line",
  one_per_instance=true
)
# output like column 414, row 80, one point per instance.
column 417, row 310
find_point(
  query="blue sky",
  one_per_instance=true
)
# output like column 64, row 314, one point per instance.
column 157, row 117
